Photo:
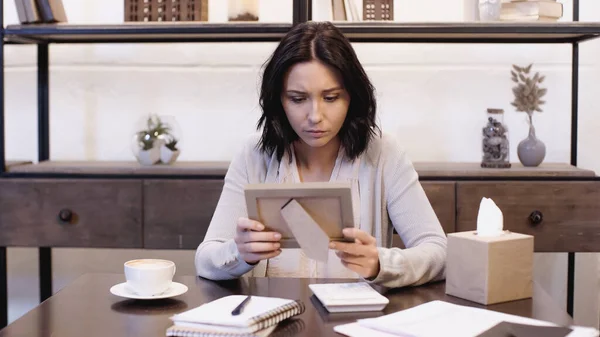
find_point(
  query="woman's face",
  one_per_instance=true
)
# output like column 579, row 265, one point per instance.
column 315, row 102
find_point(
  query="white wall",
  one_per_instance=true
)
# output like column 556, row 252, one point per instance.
column 433, row 97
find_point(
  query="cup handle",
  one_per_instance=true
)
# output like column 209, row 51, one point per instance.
column 174, row 270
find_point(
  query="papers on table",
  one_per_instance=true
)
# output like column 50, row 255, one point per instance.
column 439, row 318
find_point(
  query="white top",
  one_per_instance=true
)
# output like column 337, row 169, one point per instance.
column 385, row 187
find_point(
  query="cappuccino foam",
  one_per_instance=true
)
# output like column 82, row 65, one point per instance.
column 149, row 264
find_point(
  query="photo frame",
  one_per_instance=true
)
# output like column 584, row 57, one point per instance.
column 329, row 204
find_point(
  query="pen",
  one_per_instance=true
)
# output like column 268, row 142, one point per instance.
column 240, row 307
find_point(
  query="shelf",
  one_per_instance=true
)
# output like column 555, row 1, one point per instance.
column 13, row 163
column 468, row 32
column 146, row 32
column 471, row 32
column 545, row 170
column 426, row 170
column 122, row 168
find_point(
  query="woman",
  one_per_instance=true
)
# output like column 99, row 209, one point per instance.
column 318, row 124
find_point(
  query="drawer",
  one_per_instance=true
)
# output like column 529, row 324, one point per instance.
column 177, row 213
column 563, row 216
column 441, row 195
column 71, row 213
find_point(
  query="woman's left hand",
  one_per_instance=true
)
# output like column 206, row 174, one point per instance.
column 361, row 256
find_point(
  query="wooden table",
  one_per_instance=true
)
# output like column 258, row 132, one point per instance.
column 87, row 308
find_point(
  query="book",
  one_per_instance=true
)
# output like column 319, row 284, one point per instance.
column 527, row 18
column 260, row 317
column 532, row 8
column 31, row 11
column 51, row 11
column 21, row 12
column 348, row 297
column 440, row 318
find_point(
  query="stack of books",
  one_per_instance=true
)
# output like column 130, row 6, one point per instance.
column 40, row 11
column 531, row 10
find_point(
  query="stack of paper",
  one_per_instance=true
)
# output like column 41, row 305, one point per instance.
column 439, row 318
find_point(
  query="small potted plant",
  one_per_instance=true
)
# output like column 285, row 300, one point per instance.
column 169, row 151
column 148, row 143
column 528, row 98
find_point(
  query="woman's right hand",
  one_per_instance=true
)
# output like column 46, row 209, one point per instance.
column 253, row 244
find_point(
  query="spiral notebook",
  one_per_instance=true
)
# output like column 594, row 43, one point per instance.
column 259, row 317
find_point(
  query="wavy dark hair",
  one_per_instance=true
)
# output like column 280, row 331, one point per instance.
column 324, row 42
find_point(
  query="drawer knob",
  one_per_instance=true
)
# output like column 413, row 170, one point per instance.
column 536, row 217
column 65, row 215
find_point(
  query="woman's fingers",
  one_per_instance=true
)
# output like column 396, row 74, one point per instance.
column 259, row 247
column 245, row 224
column 362, row 236
column 259, row 236
column 354, row 249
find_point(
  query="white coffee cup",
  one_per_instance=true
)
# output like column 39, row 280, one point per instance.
column 149, row 277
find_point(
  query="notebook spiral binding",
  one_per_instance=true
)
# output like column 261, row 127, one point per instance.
column 187, row 332
column 277, row 315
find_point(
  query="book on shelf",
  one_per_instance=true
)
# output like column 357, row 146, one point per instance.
column 27, row 11
column 40, row 11
column 531, row 10
column 361, row 10
column 260, row 317
column 166, row 11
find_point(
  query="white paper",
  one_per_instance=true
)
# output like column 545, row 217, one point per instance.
column 355, row 330
column 490, row 221
column 311, row 238
column 439, row 318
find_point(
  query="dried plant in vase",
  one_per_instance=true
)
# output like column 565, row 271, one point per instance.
column 528, row 98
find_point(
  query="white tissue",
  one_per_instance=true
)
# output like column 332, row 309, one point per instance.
column 489, row 220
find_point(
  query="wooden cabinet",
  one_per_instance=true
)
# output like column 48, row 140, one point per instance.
column 125, row 205
column 177, row 213
column 71, row 213
column 562, row 215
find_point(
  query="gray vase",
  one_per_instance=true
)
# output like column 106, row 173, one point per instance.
column 531, row 150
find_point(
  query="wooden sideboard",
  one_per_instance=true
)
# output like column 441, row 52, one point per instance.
column 123, row 205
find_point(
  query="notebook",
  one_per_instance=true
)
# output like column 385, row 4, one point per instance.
column 348, row 297
column 259, row 317
column 439, row 318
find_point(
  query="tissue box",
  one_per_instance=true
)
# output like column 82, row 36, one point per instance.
column 489, row 270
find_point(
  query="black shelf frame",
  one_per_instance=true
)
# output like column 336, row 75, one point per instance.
column 375, row 32
column 384, row 32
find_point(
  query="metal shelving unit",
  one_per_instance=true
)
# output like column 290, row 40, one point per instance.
column 195, row 32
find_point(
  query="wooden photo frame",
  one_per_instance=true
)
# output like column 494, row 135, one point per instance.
column 329, row 204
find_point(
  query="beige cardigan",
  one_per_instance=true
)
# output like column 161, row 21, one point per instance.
column 385, row 187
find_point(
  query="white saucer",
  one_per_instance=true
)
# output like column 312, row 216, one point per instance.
column 175, row 289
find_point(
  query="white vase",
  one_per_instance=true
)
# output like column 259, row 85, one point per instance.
column 489, row 10
column 149, row 157
column 531, row 150
column 167, row 156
